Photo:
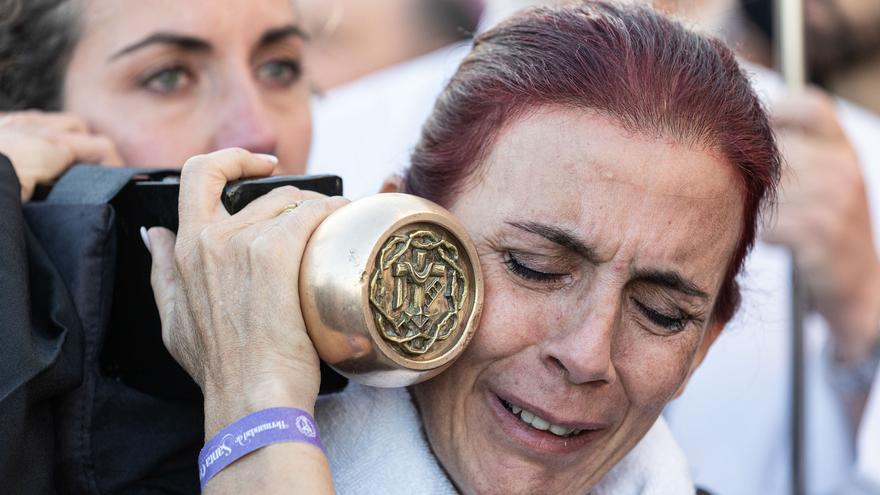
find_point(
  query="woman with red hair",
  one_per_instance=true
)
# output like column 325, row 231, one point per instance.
column 611, row 168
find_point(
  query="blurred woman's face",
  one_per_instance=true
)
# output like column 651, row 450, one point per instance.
column 603, row 253
column 169, row 79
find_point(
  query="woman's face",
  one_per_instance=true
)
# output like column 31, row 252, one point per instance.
column 169, row 79
column 603, row 253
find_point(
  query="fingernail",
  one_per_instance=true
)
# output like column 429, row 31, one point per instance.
column 269, row 158
column 146, row 239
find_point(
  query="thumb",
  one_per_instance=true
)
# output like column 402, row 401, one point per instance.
column 160, row 242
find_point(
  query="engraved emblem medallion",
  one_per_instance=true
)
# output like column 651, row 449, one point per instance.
column 419, row 290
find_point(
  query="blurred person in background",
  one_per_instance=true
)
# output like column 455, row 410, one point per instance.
column 352, row 38
column 381, row 113
column 843, row 44
column 142, row 83
column 98, row 81
column 842, row 39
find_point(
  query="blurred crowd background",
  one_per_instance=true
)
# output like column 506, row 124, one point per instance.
column 353, row 38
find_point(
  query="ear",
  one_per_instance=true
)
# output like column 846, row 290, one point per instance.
column 712, row 333
column 392, row 184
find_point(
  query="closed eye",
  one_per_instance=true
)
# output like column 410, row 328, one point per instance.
column 674, row 323
column 528, row 273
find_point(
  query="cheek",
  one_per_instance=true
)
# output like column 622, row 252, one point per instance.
column 165, row 146
column 512, row 320
column 294, row 138
column 650, row 367
column 509, row 326
column 145, row 133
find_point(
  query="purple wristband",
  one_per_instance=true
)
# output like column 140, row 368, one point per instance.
column 254, row 431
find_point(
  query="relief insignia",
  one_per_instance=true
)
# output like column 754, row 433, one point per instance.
column 418, row 289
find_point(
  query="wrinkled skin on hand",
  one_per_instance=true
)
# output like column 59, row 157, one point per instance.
column 823, row 217
column 226, row 289
column 43, row 145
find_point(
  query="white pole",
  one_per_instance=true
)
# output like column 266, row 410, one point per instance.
column 791, row 59
column 790, row 48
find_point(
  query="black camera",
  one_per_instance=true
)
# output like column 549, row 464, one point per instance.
column 133, row 351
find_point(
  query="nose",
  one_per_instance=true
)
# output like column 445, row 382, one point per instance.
column 582, row 350
column 246, row 121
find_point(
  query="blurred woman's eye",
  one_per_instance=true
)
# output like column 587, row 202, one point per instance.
column 281, row 72
column 526, row 272
column 168, row 81
column 673, row 323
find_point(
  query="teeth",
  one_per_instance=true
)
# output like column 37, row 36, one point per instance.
column 559, row 431
column 540, row 423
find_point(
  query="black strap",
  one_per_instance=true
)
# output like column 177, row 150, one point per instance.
column 92, row 184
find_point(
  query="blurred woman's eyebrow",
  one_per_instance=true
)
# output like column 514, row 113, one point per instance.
column 190, row 43
column 180, row 41
column 279, row 34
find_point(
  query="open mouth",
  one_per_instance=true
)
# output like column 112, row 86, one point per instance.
column 539, row 423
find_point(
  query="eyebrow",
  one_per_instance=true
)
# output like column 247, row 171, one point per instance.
column 183, row 42
column 671, row 280
column 193, row 44
column 560, row 236
column 279, row 34
column 569, row 240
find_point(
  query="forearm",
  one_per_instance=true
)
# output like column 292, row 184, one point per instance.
column 285, row 467
column 278, row 468
column 226, row 290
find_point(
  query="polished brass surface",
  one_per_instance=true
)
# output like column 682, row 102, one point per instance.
column 391, row 290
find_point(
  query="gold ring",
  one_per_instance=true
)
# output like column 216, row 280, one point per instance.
column 289, row 208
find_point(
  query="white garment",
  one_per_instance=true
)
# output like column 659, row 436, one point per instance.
column 374, row 440
column 733, row 420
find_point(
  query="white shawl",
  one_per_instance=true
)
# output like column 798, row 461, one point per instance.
column 374, row 440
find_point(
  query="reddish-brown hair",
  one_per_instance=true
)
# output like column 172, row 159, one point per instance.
column 629, row 63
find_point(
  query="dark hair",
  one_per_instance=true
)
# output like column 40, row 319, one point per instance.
column 632, row 64
column 36, row 41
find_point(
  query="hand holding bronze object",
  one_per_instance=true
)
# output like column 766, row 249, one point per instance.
column 433, row 272
column 391, row 290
